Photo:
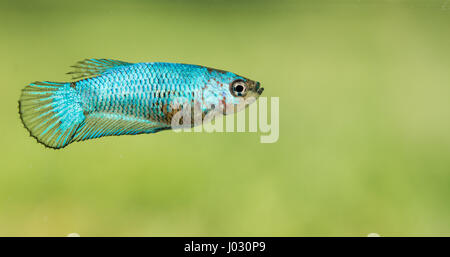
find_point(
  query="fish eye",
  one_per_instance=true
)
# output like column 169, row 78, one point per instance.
column 238, row 88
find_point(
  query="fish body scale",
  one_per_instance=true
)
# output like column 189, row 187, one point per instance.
column 143, row 90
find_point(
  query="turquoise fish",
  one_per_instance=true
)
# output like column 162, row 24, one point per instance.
column 111, row 98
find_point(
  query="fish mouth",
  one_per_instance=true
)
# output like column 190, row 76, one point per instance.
column 258, row 88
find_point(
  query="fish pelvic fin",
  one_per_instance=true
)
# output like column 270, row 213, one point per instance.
column 51, row 112
column 101, row 124
column 94, row 67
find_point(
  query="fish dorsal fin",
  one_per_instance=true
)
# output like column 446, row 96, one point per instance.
column 93, row 67
column 109, row 124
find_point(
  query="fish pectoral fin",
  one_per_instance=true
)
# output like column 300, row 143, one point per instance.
column 108, row 124
column 93, row 67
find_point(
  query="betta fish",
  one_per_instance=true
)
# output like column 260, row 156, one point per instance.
column 111, row 98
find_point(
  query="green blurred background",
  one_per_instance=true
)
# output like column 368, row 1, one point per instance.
column 364, row 144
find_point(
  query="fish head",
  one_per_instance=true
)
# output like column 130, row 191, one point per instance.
column 232, row 91
column 243, row 88
column 241, row 93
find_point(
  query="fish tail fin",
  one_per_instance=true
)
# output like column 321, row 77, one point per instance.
column 51, row 112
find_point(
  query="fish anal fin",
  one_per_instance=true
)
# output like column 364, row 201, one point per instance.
column 94, row 67
column 108, row 124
